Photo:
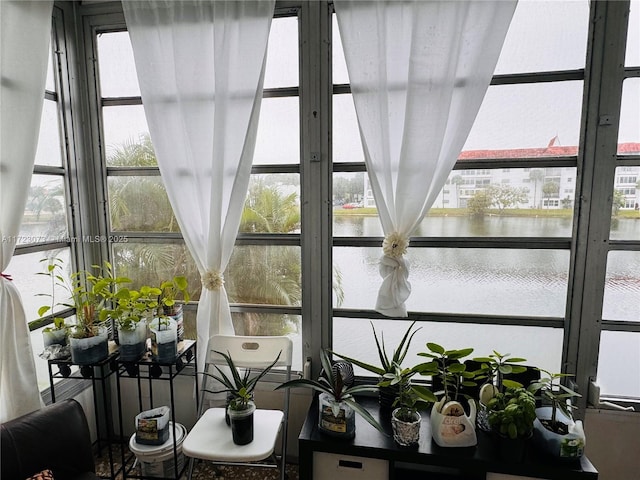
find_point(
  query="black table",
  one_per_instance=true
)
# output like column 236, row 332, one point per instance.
column 425, row 461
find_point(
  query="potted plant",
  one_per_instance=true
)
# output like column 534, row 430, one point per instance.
column 388, row 392
column 555, row 431
column 240, row 389
column 405, row 418
column 167, row 300
column 450, row 424
column 56, row 333
column 336, row 402
column 493, row 370
column 130, row 309
column 511, row 415
column 164, row 339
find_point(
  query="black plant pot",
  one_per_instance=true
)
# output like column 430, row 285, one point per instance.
column 512, row 450
column 242, row 425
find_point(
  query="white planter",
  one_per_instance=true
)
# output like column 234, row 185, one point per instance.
column 453, row 430
column 164, row 340
column 90, row 350
column 55, row 336
column 133, row 342
column 569, row 446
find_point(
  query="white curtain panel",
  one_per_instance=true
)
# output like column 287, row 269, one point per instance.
column 200, row 66
column 25, row 33
column 418, row 71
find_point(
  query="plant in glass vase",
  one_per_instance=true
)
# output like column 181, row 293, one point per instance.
column 239, row 388
column 405, row 419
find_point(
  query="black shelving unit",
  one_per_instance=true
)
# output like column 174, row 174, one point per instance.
column 426, row 460
column 148, row 371
column 98, row 373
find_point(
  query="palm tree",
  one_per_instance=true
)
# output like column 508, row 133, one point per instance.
column 536, row 175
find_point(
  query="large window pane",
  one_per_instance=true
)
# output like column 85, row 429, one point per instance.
column 339, row 64
column 272, row 204
column 545, row 35
column 619, row 364
column 629, row 134
column 45, row 215
column 25, row 270
column 529, row 116
column 278, row 140
column 140, row 204
column 626, row 204
column 264, row 274
column 347, row 146
column 622, row 287
column 282, row 54
column 478, row 203
column 541, row 347
column 254, row 323
column 117, row 67
column 494, row 281
column 147, row 263
column 123, row 126
column 49, row 151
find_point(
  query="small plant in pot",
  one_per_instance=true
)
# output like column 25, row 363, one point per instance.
column 388, row 392
column 405, row 418
column 493, row 370
column 56, row 333
column 130, row 309
column 511, row 415
column 336, row 403
column 89, row 295
column 555, row 431
column 167, row 301
column 239, row 387
column 451, row 426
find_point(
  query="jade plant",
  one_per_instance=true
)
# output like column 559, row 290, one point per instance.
column 448, row 372
column 494, row 367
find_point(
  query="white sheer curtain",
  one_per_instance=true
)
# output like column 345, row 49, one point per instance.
column 200, row 66
column 25, row 33
column 418, row 71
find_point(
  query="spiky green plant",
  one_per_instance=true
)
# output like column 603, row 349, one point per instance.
column 331, row 383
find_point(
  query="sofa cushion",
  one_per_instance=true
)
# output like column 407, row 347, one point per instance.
column 55, row 437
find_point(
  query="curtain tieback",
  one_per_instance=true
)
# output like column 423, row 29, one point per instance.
column 395, row 245
column 212, row 280
column 7, row 276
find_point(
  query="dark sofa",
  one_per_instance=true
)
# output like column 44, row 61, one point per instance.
column 55, row 438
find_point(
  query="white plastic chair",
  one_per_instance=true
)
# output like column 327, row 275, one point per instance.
column 210, row 438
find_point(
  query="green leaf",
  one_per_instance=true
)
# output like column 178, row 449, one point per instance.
column 366, row 366
column 42, row 310
column 434, row 347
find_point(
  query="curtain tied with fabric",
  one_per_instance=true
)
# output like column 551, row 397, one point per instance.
column 200, row 66
column 418, row 72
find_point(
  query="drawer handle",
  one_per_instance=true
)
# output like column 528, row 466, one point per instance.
column 350, row 464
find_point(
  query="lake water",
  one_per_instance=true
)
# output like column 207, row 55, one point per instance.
column 464, row 281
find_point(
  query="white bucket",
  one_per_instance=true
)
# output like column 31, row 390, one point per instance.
column 158, row 460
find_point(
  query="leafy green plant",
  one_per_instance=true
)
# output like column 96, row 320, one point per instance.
column 240, row 386
column 129, row 306
column 550, row 390
column 387, row 364
column 512, row 412
column 54, row 271
column 446, row 367
column 169, row 292
column 331, row 383
column 496, row 366
column 410, row 395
